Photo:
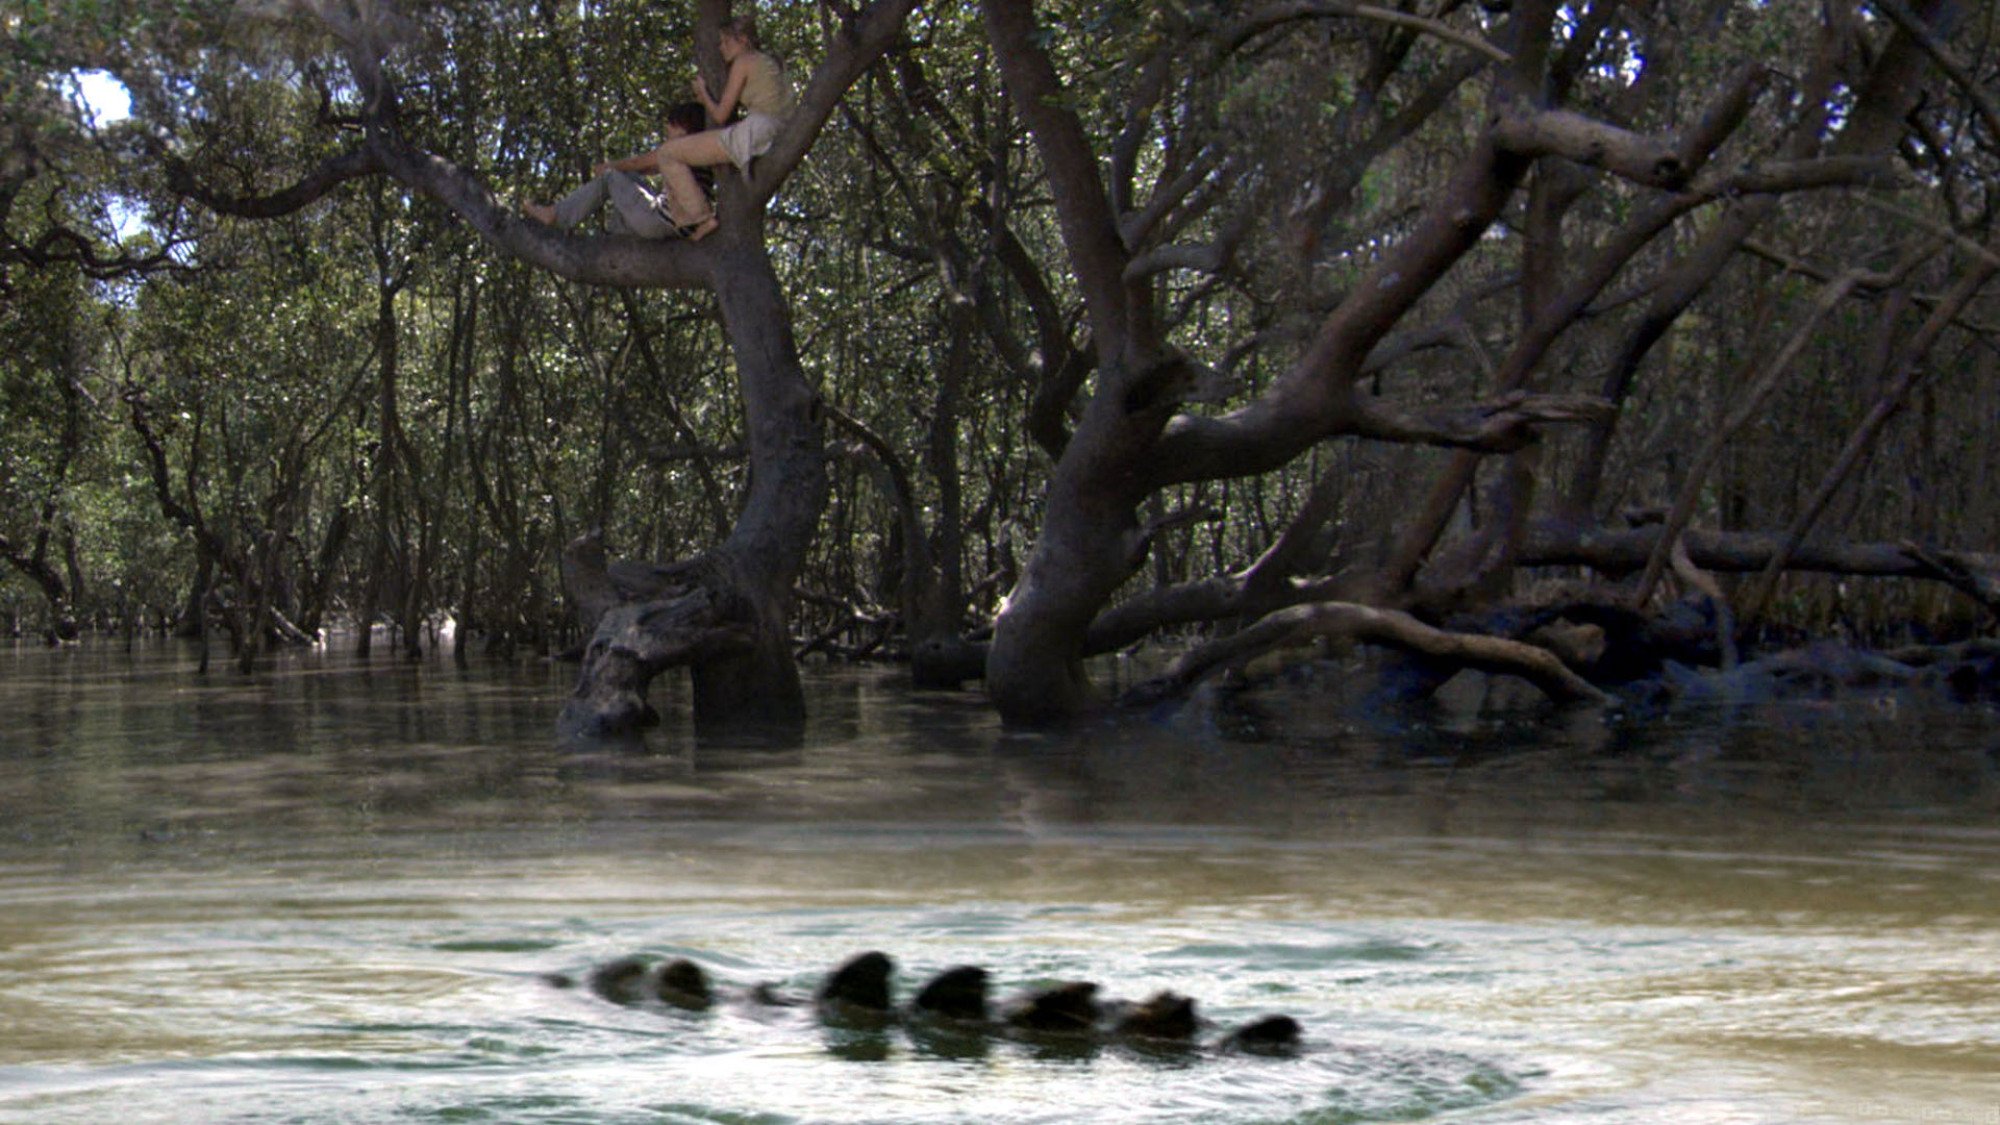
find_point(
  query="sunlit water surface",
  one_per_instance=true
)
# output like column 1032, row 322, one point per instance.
column 332, row 893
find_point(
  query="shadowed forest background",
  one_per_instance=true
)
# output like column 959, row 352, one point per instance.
column 1503, row 334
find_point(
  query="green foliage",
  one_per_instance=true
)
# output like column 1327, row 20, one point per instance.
column 521, row 411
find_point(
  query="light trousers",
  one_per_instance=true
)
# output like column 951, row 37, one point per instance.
column 635, row 208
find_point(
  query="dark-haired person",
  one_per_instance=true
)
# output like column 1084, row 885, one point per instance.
column 757, row 85
column 681, row 209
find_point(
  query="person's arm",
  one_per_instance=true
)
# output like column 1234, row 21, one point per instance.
column 720, row 109
column 643, row 163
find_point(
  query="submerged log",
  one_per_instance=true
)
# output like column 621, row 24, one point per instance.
column 1610, row 643
column 946, row 662
column 1965, row 672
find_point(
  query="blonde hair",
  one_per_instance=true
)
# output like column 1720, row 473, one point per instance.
column 744, row 28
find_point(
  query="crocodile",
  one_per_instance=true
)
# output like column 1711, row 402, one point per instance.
column 859, row 993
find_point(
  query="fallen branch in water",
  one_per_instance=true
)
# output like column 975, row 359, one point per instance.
column 1387, row 627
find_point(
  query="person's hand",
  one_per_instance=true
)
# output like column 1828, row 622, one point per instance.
column 700, row 88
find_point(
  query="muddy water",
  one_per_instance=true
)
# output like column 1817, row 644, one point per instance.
column 332, row 892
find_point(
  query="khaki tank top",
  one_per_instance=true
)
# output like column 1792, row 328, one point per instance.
column 765, row 88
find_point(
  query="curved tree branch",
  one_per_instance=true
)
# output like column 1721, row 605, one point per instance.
column 1388, row 627
column 1647, row 160
column 1267, row 16
column 862, row 38
column 1315, row 398
column 609, row 259
column 1501, row 425
column 1090, row 230
column 357, row 163
column 1776, row 177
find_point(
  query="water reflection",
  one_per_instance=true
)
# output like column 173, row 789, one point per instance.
column 219, row 897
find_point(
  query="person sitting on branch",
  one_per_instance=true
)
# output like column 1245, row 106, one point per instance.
column 681, row 209
column 757, row 85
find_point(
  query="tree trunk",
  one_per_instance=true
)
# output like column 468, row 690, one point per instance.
column 724, row 614
column 788, row 487
column 934, row 604
column 1090, row 542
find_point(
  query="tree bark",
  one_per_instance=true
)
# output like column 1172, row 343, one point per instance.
column 724, row 613
column 1391, row 628
column 742, row 666
column 1870, row 128
column 1130, row 441
column 788, row 485
column 1626, row 551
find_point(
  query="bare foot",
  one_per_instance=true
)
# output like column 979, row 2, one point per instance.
column 703, row 228
column 543, row 213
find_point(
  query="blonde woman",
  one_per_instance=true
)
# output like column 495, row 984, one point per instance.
column 757, row 85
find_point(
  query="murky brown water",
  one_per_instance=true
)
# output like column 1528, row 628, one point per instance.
column 329, row 893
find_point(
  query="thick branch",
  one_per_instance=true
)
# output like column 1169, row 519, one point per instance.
column 356, row 164
column 36, row 568
column 1499, row 426
column 1624, row 551
column 605, row 260
column 1267, row 16
column 1391, row 628
column 1315, row 398
column 597, row 584
column 1775, row 177
column 1267, row 584
column 1221, row 598
column 1090, row 230
column 1559, row 132
column 862, row 39
column 615, row 260
column 1205, row 257
column 634, row 643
